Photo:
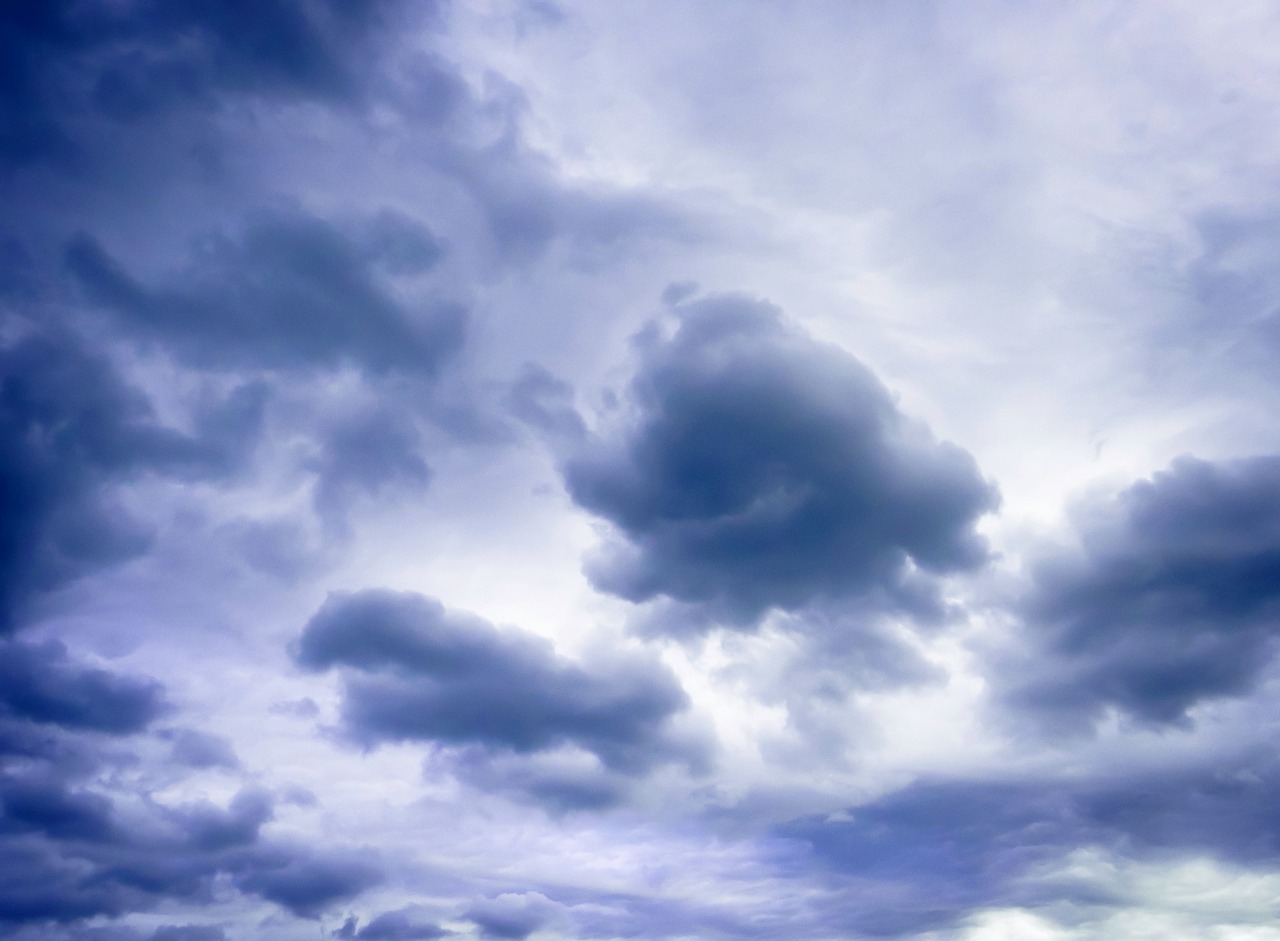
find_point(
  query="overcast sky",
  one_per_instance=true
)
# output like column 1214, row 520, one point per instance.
column 653, row 469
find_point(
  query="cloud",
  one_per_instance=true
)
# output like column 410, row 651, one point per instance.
column 289, row 292
column 922, row 857
column 1172, row 599
column 188, row 933
column 763, row 469
column 512, row 916
column 198, row 750
column 545, row 403
column 416, row 672
column 399, row 925
column 67, row 63
column 305, row 882
column 364, row 453
column 71, row 851
column 40, row 683
column 70, row 428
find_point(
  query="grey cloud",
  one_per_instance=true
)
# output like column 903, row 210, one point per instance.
column 195, row 749
column 291, row 291
column 414, row 671
column 512, row 916
column 400, row 244
column 544, row 402
column 766, row 470
column 307, row 882
column 70, row 429
column 67, row 63
column 71, row 849
column 1173, row 599
column 188, row 933
column 40, row 683
column 364, row 453
column 67, row 853
column 562, row 781
column 400, row 925
column 923, row 857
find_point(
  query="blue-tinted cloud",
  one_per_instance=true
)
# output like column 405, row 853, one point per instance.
column 188, row 933
column 67, row 63
column 511, row 916
column 290, row 291
column 416, row 672
column 926, row 855
column 1174, row 598
column 763, row 469
column 69, row 853
column 70, row 429
column 40, row 683
column 400, row 925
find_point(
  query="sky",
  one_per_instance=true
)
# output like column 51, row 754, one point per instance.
column 656, row 469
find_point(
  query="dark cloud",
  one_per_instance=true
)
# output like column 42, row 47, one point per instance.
column 79, row 841
column 400, row 244
column 188, row 933
column 291, row 291
column 924, row 856
column 763, row 469
column 70, row 429
column 562, row 781
column 1173, row 598
column 414, row 671
column 40, row 683
column 66, row 63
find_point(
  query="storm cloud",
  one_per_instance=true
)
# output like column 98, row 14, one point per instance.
column 760, row 468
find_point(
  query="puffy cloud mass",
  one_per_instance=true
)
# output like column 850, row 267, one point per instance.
column 414, row 671
column 760, row 468
column 1172, row 598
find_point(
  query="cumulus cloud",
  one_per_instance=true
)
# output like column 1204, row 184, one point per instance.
column 414, row 671
column 1172, row 598
column 762, row 469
